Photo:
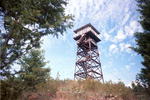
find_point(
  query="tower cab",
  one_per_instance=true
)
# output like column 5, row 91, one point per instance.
column 85, row 35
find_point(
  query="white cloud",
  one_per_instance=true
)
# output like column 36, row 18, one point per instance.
column 121, row 47
column 106, row 36
column 113, row 48
column 133, row 27
column 120, row 36
column 15, row 67
column 49, row 42
column 128, row 67
column 127, row 31
column 104, row 13
column 126, row 18
column 125, row 47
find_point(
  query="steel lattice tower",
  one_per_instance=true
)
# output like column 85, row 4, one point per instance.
column 88, row 64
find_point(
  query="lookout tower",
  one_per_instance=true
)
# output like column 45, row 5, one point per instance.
column 88, row 64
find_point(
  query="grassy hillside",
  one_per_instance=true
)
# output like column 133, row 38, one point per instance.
column 80, row 90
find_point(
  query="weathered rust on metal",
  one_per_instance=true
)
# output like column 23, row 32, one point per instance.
column 87, row 64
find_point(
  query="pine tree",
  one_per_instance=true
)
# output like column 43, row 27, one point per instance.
column 143, row 43
column 25, row 22
column 33, row 71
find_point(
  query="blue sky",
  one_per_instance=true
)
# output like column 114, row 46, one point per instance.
column 117, row 21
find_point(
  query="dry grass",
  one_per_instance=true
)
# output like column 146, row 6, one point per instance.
column 82, row 90
column 93, row 90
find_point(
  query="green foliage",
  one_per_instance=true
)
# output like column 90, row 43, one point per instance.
column 143, row 43
column 139, row 91
column 32, row 73
column 10, row 89
column 32, row 69
column 144, row 9
column 25, row 22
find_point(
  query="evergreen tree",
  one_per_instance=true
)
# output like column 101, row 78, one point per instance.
column 32, row 70
column 143, row 43
column 25, row 22
column 32, row 73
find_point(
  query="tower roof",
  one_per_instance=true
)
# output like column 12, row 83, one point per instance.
column 88, row 30
column 87, row 25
